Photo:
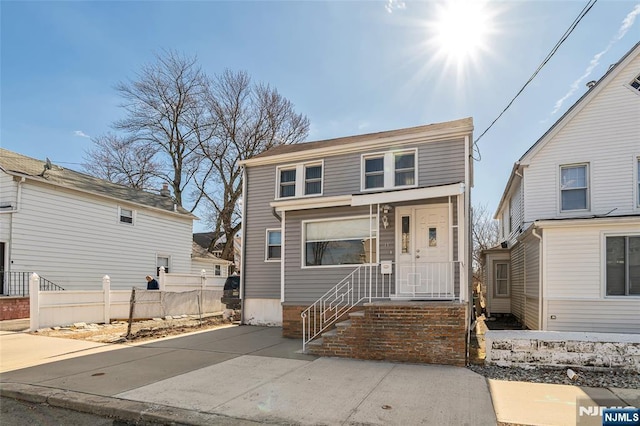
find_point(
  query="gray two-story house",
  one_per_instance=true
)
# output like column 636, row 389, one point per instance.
column 371, row 228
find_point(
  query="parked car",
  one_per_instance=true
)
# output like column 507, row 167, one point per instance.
column 231, row 292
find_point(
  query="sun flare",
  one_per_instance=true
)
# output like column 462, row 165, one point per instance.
column 461, row 28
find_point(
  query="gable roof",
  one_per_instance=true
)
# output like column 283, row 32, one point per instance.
column 437, row 130
column 611, row 73
column 20, row 165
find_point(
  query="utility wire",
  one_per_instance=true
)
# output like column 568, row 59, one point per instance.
column 585, row 10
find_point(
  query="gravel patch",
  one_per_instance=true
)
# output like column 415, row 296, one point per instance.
column 595, row 379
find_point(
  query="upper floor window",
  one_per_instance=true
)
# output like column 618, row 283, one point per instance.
column 623, row 265
column 574, row 187
column 389, row 170
column 635, row 84
column 125, row 215
column 274, row 244
column 638, row 182
column 299, row 180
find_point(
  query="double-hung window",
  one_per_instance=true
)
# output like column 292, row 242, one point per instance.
column 635, row 83
column 638, row 182
column 623, row 265
column 300, row 180
column 344, row 241
column 501, row 279
column 274, row 244
column 574, row 187
column 389, row 170
column 126, row 215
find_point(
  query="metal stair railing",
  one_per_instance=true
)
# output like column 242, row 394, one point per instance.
column 17, row 284
column 359, row 285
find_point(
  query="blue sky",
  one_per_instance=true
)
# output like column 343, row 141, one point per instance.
column 351, row 67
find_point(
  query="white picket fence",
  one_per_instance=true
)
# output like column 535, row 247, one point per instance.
column 60, row 308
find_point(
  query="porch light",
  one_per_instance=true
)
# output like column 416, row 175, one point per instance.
column 385, row 210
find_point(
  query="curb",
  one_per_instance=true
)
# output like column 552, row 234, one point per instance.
column 122, row 409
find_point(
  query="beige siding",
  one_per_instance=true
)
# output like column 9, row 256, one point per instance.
column 532, row 281
column 496, row 305
column 517, row 282
column 605, row 316
column 573, row 262
column 604, row 134
column 8, row 191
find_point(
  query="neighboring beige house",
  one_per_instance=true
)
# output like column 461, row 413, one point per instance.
column 72, row 229
column 570, row 217
column 213, row 266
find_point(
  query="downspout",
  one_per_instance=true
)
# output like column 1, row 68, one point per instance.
column 540, row 280
column 243, row 250
column 16, row 210
column 282, row 251
column 466, row 238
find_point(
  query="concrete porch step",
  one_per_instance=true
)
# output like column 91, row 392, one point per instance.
column 315, row 343
column 356, row 314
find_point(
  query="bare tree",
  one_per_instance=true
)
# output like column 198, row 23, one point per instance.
column 485, row 233
column 167, row 114
column 122, row 160
column 249, row 119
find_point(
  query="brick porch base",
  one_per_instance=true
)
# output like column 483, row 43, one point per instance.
column 420, row 332
column 14, row 307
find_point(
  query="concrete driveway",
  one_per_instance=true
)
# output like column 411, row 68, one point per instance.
column 245, row 373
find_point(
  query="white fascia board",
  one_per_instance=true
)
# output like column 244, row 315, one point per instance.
column 588, row 221
column 408, row 195
column 311, row 203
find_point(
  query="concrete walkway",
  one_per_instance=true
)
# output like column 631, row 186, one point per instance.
column 248, row 375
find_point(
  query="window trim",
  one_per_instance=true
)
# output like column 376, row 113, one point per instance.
column 301, row 179
column 603, row 261
column 389, row 169
column 266, row 245
column 587, row 188
column 496, row 295
column 635, row 80
column 166, row 256
column 120, row 216
column 303, row 248
column 636, row 179
column 217, row 268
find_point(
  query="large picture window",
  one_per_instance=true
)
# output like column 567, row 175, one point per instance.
column 349, row 241
column 623, row 266
column 574, row 189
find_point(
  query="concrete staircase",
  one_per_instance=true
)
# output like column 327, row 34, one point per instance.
column 341, row 340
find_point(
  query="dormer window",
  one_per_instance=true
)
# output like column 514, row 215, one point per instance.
column 300, row 180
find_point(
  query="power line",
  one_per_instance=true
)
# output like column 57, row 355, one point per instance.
column 585, row 10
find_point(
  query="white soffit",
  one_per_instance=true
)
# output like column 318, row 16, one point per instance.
column 408, row 194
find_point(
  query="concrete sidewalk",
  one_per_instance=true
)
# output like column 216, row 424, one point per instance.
column 245, row 375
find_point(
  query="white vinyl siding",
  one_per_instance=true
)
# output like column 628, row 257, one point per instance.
column 8, row 197
column 605, row 134
column 602, row 316
column 73, row 240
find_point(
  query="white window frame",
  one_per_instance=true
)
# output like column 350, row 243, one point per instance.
column 163, row 256
column 587, row 167
column 372, row 219
column 217, row 270
column 636, row 178
column 120, row 216
column 266, row 245
column 389, row 169
column 497, row 295
column 300, row 182
column 603, row 260
column 636, row 80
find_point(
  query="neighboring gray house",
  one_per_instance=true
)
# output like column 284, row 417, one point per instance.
column 380, row 217
column 570, row 217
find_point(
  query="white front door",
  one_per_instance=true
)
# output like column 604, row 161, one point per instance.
column 424, row 268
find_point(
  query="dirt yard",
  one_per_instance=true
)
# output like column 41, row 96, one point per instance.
column 146, row 330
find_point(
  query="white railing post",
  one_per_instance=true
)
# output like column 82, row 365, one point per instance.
column 106, row 289
column 34, row 302
column 162, row 278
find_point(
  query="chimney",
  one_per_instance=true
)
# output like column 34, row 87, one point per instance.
column 165, row 190
column 591, row 84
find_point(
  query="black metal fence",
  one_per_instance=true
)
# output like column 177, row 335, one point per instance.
column 17, row 284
